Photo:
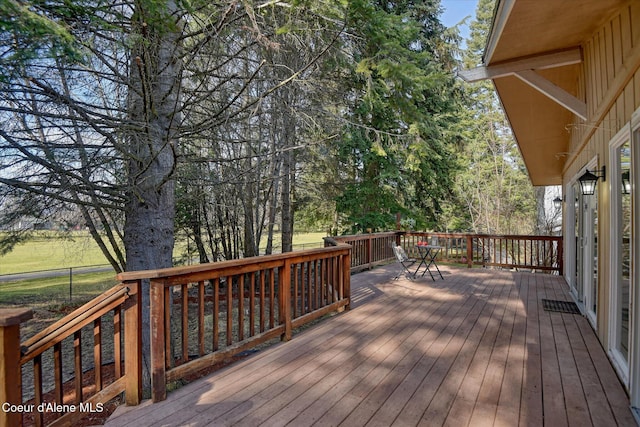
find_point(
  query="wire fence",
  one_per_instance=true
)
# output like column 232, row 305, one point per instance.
column 72, row 285
column 55, row 286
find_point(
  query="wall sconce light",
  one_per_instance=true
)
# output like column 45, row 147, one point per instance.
column 588, row 181
column 557, row 202
column 626, row 182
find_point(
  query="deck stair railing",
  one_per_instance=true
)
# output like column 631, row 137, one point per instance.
column 45, row 360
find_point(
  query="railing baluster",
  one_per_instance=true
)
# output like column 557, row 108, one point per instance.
column 57, row 372
column 117, row 342
column 229, row 284
column 167, row 314
column 241, row 307
column 77, row 365
column 310, row 306
column 216, row 313
column 37, row 385
column 184, row 321
column 262, row 301
column 97, row 353
column 272, row 296
column 201, row 301
column 252, row 305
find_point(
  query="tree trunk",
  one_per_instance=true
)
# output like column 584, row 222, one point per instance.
column 153, row 106
column 287, row 208
column 542, row 226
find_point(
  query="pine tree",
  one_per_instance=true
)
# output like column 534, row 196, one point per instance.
column 395, row 152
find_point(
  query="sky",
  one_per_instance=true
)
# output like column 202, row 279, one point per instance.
column 455, row 11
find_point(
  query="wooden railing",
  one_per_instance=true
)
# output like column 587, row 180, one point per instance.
column 43, row 361
column 535, row 253
column 206, row 313
column 199, row 315
column 202, row 314
column 368, row 250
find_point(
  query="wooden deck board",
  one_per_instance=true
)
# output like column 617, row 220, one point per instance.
column 531, row 402
column 489, row 394
column 474, row 349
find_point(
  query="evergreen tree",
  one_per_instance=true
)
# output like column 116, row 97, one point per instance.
column 493, row 189
column 395, row 155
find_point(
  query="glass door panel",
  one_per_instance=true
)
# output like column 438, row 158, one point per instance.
column 624, row 247
column 579, row 241
column 621, row 269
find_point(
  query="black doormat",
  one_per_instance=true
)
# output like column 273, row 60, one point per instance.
column 560, row 306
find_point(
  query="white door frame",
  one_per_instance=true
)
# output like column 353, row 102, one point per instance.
column 621, row 364
column 634, row 386
column 590, row 264
column 581, row 292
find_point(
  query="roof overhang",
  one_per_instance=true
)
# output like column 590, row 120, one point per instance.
column 533, row 55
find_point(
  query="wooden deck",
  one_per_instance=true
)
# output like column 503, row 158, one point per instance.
column 474, row 349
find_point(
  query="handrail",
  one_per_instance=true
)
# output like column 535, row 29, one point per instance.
column 45, row 369
column 73, row 322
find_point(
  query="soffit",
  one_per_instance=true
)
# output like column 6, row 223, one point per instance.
column 533, row 27
column 536, row 26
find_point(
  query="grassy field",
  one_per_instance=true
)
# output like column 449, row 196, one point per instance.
column 47, row 253
column 55, row 290
column 51, row 253
column 80, row 250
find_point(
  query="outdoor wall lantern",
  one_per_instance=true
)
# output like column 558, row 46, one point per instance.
column 626, row 182
column 557, row 202
column 588, row 181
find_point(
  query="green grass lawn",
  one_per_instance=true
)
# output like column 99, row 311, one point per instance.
column 80, row 250
column 47, row 253
column 51, row 253
column 55, row 290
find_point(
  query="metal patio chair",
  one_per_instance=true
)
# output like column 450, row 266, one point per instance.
column 404, row 261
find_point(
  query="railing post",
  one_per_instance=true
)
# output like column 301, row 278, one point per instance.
column 158, row 339
column 469, row 251
column 285, row 299
column 346, row 278
column 370, row 251
column 561, row 256
column 133, row 345
column 10, row 372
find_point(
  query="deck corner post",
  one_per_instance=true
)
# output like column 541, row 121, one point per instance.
column 285, row 298
column 133, row 345
column 10, row 372
column 469, row 251
column 158, row 341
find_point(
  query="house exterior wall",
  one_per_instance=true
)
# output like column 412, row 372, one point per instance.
column 610, row 85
